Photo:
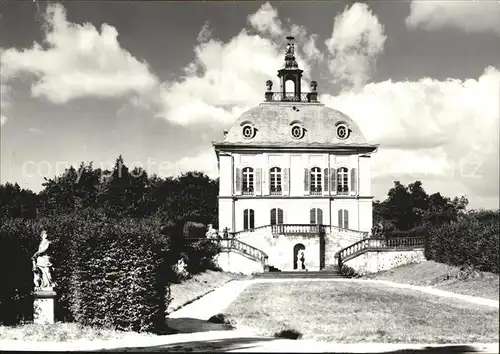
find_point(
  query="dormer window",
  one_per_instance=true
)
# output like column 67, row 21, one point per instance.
column 297, row 132
column 342, row 131
column 248, row 131
column 297, row 129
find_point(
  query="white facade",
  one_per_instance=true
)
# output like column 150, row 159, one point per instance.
column 296, row 198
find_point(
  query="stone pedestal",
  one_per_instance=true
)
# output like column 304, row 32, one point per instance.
column 43, row 306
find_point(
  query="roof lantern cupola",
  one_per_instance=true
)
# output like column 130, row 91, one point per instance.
column 291, row 72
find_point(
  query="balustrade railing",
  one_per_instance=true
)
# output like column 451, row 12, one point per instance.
column 299, row 229
column 233, row 243
column 378, row 244
column 296, row 229
column 292, row 97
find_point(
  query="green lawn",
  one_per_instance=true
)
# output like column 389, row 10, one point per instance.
column 444, row 277
column 62, row 332
column 351, row 313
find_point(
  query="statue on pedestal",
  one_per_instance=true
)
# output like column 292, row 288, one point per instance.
column 211, row 232
column 301, row 259
column 41, row 265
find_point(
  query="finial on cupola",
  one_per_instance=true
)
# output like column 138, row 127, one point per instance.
column 289, row 54
column 269, row 85
column 269, row 92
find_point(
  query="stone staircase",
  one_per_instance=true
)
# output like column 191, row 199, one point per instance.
column 327, row 273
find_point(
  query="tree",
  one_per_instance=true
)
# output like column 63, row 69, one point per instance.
column 400, row 206
column 73, row 190
column 16, row 202
column 410, row 207
column 123, row 192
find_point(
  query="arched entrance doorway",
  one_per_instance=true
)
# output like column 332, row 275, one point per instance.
column 298, row 263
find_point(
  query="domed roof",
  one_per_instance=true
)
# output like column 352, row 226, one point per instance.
column 294, row 119
column 273, row 124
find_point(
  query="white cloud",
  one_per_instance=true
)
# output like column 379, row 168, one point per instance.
column 205, row 33
column 227, row 82
column 5, row 100
column 307, row 43
column 227, row 78
column 266, row 20
column 469, row 16
column 357, row 39
column 78, row 61
column 429, row 128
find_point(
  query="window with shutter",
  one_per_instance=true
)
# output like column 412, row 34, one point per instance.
column 275, row 181
column 237, row 187
column 316, row 216
column 252, row 219
column 258, row 181
column 315, row 181
column 346, row 219
column 341, row 222
column 306, row 181
column 333, row 180
column 248, row 181
column 248, row 219
column 325, row 180
column 286, row 181
column 342, row 181
column 319, row 216
column 245, row 219
column 273, row 216
column 353, row 180
column 280, row 216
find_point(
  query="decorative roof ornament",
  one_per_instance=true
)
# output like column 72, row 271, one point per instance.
column 290, row 62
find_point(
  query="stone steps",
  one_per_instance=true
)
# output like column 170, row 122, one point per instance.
column 299, row 274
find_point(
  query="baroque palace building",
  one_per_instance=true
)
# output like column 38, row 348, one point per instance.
column 290, row 165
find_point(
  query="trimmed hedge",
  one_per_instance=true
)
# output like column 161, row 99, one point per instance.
column 107, row 272
column 200, row 255
column 119, row 281
column 472, row 241
column 18, row 242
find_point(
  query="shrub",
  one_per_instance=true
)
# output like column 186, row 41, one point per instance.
column 18, row 242
column 120, row 279
column 201, row 254
column 288, row 333
column 472, row 241
column 193, row 229
column 347, row 271
column 415, row 232
column 219, row 318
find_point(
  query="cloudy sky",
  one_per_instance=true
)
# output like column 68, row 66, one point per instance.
column 158, row 81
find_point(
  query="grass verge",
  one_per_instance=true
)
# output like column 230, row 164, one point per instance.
column 355, row 313
column 444, row 277
column 63, row 332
